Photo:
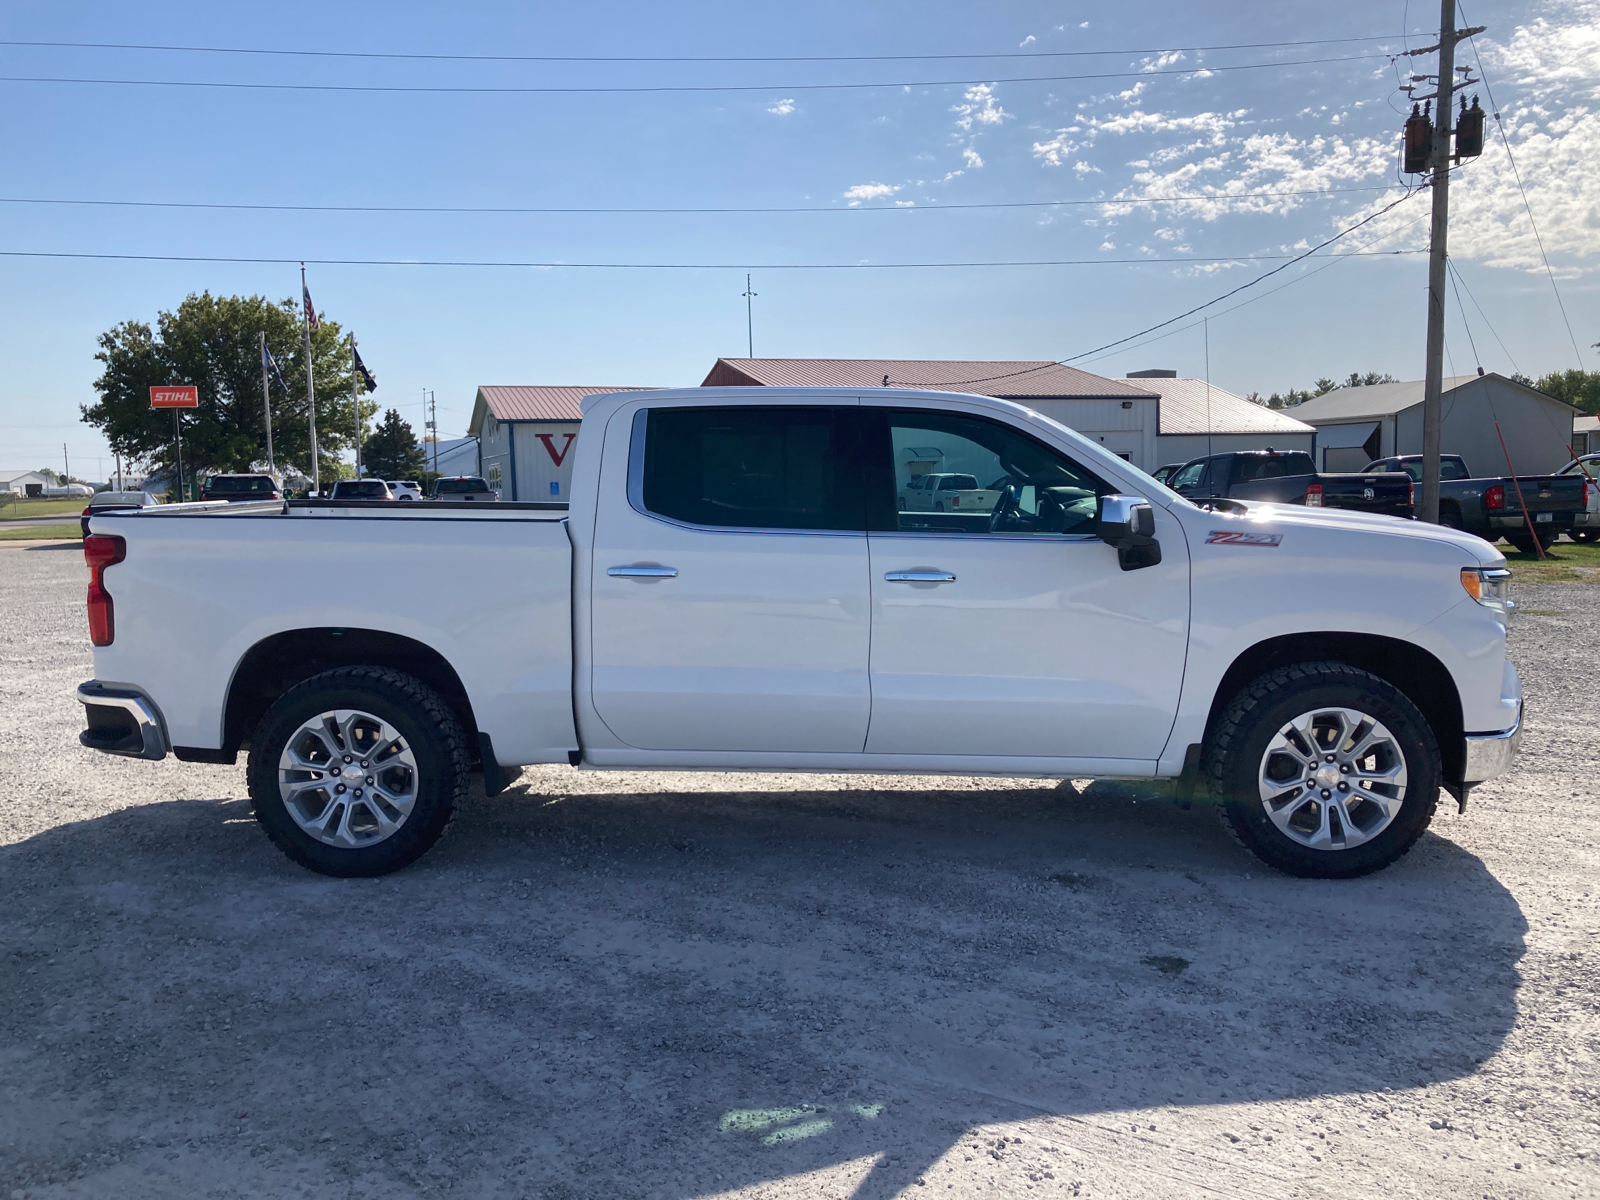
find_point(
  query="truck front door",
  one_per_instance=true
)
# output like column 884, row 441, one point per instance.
column 729, row 591
column 1013, row 632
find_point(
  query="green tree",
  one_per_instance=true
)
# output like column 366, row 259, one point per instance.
column 212, row 342
column 1581, row 389
column 392, row 451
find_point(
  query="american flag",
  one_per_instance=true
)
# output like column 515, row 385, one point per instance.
column 311, row 309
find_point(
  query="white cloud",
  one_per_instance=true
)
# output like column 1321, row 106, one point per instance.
column 1058, row 151
column 1082, row 168
column 1162, row 61
column 1108, row 244
column 980, row 107
column 973, row 159
column 869, row 191
column 1027, row 41
column 783, row 107
column 1084, row 25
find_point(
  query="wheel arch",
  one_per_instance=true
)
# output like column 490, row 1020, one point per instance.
column 277, row 663
column 1424, row 680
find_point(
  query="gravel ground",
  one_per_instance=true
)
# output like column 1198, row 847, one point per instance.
column 664, row 985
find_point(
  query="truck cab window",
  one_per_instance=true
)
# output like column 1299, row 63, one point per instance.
column 1189, row 476
column 755, row 467
column 992, row 479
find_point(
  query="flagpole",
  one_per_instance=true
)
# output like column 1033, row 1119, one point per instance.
column 355, row 396
column 266, row 402
column 311, row 388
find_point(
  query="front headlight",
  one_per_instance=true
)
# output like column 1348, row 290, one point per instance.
column 1489, row 586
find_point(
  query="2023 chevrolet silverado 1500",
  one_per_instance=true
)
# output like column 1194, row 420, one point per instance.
column 1289, row 477
column 735, row 587
column 1493, row 507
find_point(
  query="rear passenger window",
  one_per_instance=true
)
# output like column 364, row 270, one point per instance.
column 755, row 468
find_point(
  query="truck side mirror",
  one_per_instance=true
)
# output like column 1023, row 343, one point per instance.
column 1129, row 524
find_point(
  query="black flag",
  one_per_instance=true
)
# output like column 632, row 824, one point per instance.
column 371, row 384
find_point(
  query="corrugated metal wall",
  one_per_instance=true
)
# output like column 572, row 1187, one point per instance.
column 544, row 453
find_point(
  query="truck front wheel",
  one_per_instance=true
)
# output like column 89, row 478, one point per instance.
column 357, row 771
column 1324, row 771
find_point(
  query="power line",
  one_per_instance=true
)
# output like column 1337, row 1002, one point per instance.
column 821, row 208
column 736, row 266
column 1333, row 261
column 1488, row 324
column 1373, row 216
column 805, row 58
column 1472, row 342
column 654, row 89
column 1512, row 159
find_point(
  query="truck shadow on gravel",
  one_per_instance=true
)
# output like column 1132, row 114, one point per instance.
column 684, row 991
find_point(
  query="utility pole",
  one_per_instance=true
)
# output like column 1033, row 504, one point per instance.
column 1438, row 252
column 433, row 427
column 749, row 319
column 66, row 471
column 266, row 402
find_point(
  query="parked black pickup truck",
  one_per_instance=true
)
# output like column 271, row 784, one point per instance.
column 1489, row 508
column 1290, row 477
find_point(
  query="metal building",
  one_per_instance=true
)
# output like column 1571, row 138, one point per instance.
column 526, row 435
column 1149, row 420
column 1358, row 424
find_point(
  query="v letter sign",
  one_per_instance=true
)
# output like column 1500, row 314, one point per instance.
column 550, row 446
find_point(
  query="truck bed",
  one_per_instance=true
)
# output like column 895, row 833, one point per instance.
column 487, row 589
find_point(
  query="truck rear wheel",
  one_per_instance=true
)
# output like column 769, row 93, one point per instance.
column 1324, row 771
column 1523, row 540
column 357, row 771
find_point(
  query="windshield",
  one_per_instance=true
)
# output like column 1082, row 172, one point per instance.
column 459, row 487
column 1582, row 466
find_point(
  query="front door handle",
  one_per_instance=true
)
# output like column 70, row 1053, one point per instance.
column 919, row 577
column 643, row 572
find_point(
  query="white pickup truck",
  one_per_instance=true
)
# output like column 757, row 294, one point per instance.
column 734, row 587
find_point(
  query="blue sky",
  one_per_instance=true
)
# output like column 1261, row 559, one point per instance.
column 959, row 134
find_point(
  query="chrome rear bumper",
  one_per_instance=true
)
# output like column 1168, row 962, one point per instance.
column 121, row 721
column 1493, row 754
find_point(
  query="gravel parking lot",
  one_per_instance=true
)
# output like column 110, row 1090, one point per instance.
column 666, row 985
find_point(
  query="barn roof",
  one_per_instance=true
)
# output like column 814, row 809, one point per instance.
column 1016, row 380
column 1186, row 408
column 541, row 403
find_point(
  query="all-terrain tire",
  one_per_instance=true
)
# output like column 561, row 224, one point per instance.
column 1234, row 755
column 430, row 732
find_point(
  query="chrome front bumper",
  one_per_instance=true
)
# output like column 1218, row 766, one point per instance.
column 121, row 721
column 1493, row 754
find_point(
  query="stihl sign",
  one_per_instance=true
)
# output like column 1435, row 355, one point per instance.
column 182, row 395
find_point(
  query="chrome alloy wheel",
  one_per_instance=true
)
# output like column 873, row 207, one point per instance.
column 348, row 778
column 1333, row 778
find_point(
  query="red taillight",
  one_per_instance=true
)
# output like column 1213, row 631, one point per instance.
column 955, row 501
column 1314, row 495
column 101, row 551
column 1495, row 496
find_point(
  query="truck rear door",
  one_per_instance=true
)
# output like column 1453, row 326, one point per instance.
column 729, row 587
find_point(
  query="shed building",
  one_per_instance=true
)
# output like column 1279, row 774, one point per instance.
column 1358, row 424
column 526, row 435
column 1197, row 418
column 1133, row 417
column 24, row 483
column 1585, row 435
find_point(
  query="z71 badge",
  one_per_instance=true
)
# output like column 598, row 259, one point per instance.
column 1241, row 537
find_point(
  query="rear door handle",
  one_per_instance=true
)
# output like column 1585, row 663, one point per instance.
column 643, row 572
column 919, row 577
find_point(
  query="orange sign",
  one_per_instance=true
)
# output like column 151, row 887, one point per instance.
column 178, row 395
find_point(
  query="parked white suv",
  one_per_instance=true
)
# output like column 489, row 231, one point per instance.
column 734, row 588
column 405, row 489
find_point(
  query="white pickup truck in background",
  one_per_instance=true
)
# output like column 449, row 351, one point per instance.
column 736, row 587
